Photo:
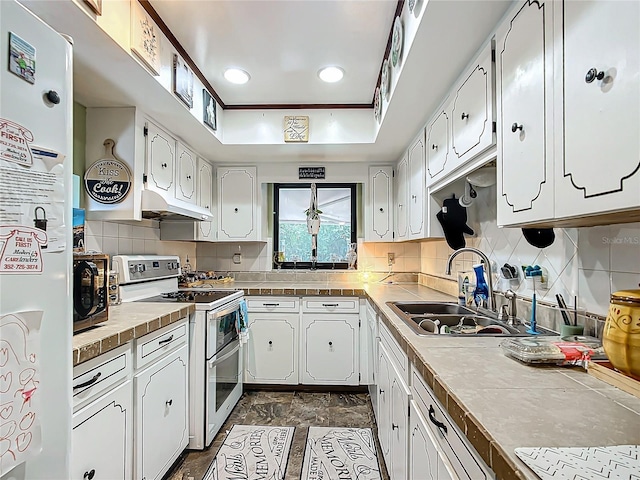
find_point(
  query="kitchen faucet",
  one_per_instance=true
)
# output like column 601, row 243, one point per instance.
column 491, row 301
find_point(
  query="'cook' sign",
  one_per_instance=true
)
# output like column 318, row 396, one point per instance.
column 109, row 179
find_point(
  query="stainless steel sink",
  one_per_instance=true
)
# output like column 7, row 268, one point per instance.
column 428, row 318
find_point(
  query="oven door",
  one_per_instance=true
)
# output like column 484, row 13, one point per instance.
column 221, row 329
column 224, row 388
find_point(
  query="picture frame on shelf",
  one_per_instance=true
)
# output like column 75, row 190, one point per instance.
column 95, row 6
column 145, row 38
column 182, row 81
column 209, row 107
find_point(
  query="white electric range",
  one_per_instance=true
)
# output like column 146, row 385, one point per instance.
column 215, row 353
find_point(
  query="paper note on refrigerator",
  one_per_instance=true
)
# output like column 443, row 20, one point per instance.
column 20, row 399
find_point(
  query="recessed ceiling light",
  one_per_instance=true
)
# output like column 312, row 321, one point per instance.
column 237, row 76
column 331, row 74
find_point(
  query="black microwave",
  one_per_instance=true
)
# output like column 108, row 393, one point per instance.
column 90, row 290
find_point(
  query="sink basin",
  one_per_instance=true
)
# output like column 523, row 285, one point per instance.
column 427, row 318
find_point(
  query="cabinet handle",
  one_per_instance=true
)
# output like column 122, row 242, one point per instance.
column 329, row 304
column 394, row 426
column 163, row 165
column 89, row 382
column 270, row 304
column 166, row 340
column 432, row 417
column 331, row 344
column 381, row 391
column 90, row 474
column 593, row 74
column 414, row 196
column 270, row 342
column 381, row 209
column 235, row 209
column 515, row 127
column 169, row 402
column 464, row 115
column 434, row 147
column 399, row 205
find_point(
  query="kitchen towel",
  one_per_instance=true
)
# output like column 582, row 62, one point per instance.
column 333, row 453
column 252, row 452
column 453, row 218
column 620, row 462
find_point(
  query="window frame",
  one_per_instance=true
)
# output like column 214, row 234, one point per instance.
column 276, row 224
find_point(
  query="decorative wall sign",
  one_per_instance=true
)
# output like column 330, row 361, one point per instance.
column 22, row 58
column 182, row 81
column 296, row 128
column 145, row 37
column 209, row 106
column 95, row 5
column 310, row 172
column 109, row 179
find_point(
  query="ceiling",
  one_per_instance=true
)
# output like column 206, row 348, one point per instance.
column 282, row 44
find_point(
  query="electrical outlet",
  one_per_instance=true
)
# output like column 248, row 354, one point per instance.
column 237, row 258
column 391, row 258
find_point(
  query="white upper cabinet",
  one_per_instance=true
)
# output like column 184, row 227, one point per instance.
column 161, row 157
column 380, row 205
column 417, row 187
column 437, row 134
column 185, row 174
column 524, row 74
column 401, row 188
column 238, row 204
column 598, row 166
column 472, row 112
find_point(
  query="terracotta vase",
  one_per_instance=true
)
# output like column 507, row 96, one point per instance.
column 621, row 336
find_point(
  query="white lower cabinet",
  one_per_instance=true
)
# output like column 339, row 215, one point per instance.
column 272, row 350
column 162, row 420
column 330, row 349
column 426, row 461
column 101, row 439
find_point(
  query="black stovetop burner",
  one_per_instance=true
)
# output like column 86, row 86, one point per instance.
column 192, row 296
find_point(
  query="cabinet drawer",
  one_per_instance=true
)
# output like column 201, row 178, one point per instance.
column 92, row 378
column 396, row 353
column 331, row 304
column 462, row 456
column 154, row 345
column 273, row 304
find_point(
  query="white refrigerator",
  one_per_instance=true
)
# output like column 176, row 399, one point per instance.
column 36, row 134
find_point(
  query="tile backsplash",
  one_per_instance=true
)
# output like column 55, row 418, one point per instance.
column 590, row 262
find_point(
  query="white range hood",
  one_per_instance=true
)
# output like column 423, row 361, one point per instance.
column 155, row 205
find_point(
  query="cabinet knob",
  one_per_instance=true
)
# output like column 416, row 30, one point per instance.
column 270, row 342
column 515, row 127
column 464, row 115
column 169, row 402
column 593, row 74
column 53, row 97
column 381, row 209
column 394, row 426
column 163, row 165
column 381, row 391
column 90, row 474
column 188, row 177
column 434, row 147
column 207, row 207
column 235, row 209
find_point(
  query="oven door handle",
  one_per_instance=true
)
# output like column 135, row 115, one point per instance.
column 217, row 360
column 221, row 313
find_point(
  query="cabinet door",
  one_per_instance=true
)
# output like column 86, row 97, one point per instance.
column 205, row 198
column 185, row 174
column 384, row 401
column 380, row 206
column 237, row 207
column 402, row 190
column 399, row 446
column 272, row 350
column 425, row 460
column 437, row 134
column 416, row 188
column 162, row 421
column 600, row 170
column 161, row 154
column 524, row 58
column 101, row 439
column 330, row 349
column 472, row 111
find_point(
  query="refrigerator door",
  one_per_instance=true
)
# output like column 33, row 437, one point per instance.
column 40, row 100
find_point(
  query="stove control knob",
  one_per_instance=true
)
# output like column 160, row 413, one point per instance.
column 132, row 268
column 143, row 267
column 168, row 265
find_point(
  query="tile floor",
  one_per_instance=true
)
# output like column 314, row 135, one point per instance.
column 299, row 409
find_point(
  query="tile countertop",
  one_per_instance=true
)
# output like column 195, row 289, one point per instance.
column 499, row 403
column 126, row 322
